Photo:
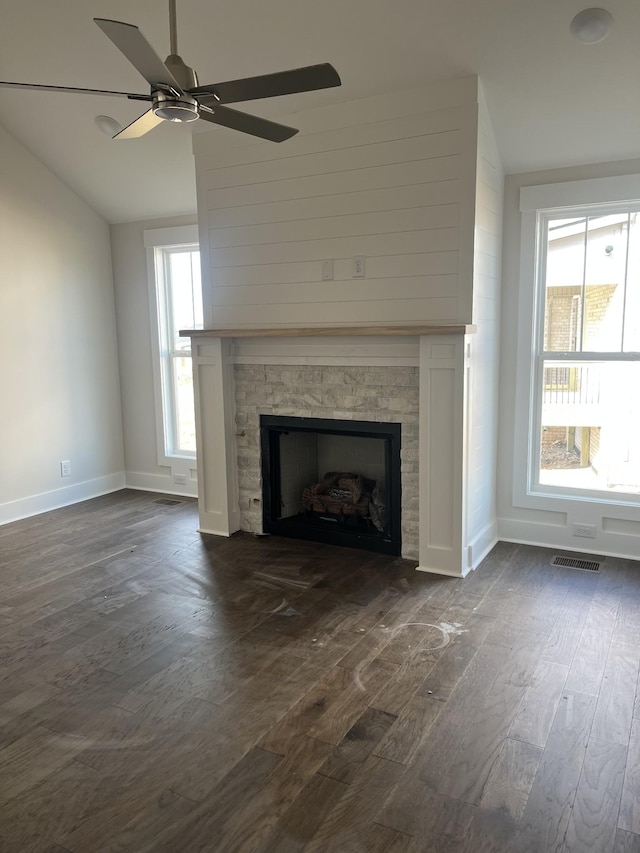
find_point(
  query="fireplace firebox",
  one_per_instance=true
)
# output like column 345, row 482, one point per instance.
column 334, row 481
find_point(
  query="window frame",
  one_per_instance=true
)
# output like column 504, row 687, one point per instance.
column 538, row 204
column 183, row 238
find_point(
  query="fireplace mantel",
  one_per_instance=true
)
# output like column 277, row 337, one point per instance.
column 329, row 331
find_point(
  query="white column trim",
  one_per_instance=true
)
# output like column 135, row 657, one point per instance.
column 215, row 436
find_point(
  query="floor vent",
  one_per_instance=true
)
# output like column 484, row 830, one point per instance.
column 167, row 502
column 573, row 563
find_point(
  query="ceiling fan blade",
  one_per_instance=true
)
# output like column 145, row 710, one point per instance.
column 270, row 85
column 43, row 88
column 146, row 122
column 248, row 124
column 130, row 41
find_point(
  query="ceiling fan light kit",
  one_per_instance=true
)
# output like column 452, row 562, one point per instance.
column 175, row 95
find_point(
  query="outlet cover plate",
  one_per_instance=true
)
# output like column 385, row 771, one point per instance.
column 588, row 531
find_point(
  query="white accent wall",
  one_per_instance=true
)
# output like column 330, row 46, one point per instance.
column 550, row 521
column 58, row 350
column 390, row 179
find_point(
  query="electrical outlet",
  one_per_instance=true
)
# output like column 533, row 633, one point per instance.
column 358, row 268
column 65, row 468
column 588, row 531
column 327, row 270
column 180, row 479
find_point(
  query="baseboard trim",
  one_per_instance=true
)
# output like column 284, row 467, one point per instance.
column 58, row 498
column 161, row 483
column 483, row 543
column 445, row 572
column 621, row 546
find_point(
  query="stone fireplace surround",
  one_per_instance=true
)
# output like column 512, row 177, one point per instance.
column 379, row 394
column 412, row 375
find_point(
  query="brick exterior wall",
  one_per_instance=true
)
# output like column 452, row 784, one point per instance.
column 560, row 328
column 380, row 394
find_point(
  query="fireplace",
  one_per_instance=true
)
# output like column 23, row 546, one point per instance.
column 331, row 480
column 416, row 377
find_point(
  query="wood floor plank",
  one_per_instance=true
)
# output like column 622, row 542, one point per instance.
column 197, row 827
column 619, row 694
column 418, row 811
column 509, row 783
column 589, row 662
column 629, row 818
column 51, row 808
column 249, row 826
column 409, row 730
column 33, row 757
column 532, row 723
column 626, row 842
column 306, row 816
column 594, row 816
column 358, row 807
column 360, row 741
column 433, row 757
column 546, row 816
column 565, row 636
column 308, row 710
column 457, row 656
column 377, row 839
column 479, row 749
column 353, row 701
column 489, row 831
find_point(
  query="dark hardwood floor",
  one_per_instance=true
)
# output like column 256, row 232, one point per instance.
column 166, row 691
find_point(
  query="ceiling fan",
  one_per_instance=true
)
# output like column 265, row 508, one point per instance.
column 176, row 96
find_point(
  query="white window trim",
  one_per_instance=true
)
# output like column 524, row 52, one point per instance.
column 535, row 201
column 177, row 236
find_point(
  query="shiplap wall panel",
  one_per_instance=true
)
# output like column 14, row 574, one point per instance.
column 338, row 204
column 348, row 225
column 365, row 312
column 237, row 165
column 315, row 186
column 335, row 291
column 391, row 190
column 369, row 245
column 367, row 156
column 383, row 266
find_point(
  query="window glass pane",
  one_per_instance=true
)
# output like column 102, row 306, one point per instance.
column 563, row 283
column 185, row 295
column 184, row 405
column 605, row 271
column 632, row 302
column 590, row 436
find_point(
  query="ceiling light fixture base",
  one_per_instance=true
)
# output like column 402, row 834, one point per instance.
column 591, row 25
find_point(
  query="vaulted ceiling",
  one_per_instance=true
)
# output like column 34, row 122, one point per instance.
column 553, row 101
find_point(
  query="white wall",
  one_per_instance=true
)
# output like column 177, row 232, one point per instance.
column 136, row 368
column 389, row 178
column 618, row 527
column 482, row 424
column 58, row 354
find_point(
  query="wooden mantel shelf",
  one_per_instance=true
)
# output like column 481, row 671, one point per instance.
column 324, row 332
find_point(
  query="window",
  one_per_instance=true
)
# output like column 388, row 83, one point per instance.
column 584, row 405
column 176, row 303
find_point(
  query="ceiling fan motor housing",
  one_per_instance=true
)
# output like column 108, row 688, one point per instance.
column 184, row 76
column 180, row 108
